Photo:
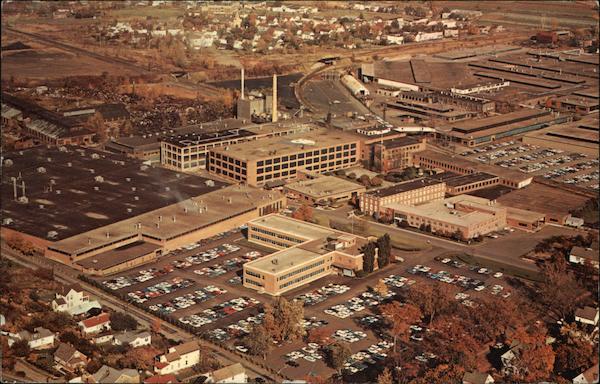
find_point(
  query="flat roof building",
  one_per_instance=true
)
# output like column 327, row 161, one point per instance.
column 468, row 215
column 281, row 158
column 580, row 136
column 306, row 252
column 396, row 153
column 322, row 189
column 410, row 192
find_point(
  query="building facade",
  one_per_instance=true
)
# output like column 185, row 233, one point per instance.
column 396, row 154
column 407, row 193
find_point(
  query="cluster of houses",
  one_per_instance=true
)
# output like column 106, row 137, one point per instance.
column 285, row 26
column 95, row 326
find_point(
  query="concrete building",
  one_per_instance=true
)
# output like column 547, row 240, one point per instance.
column 321, row 189
column 306, row 252
column 468, row 215
column 411, row 192
column 281, row 158
column 178, row 358
column 580, row 255
column 396, row 153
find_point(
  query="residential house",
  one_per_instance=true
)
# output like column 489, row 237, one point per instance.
column 41, row 338
column 108, row 374
column 69, row 359
column 580, row 255
column 178, row 358
column 135, row 340
column 587, row 315
column 162, row 379
column 95, row 324
column 477, row 378
column 589, row 376
column 73, row 300
column 235, row 373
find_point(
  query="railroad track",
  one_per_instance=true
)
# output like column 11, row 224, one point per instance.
column 72, row 48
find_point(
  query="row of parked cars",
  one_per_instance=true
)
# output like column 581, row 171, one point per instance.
column 211, row 254
column 358, row 303
column 219, row 311
column 141, row 276
column 227, row 265
column 363, row 359
column 322, row 294
column 349, row 336
column 160, row 289
column 397, row 281
column 487, row 148
column 187, row 300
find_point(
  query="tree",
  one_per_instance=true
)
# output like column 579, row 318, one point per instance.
column 320, row 335
column 384, row 246
column 376, row 181
column 120, row 321
column 368, row 251
column 574, row 356
column 337, row 354
column 536, row 358
column 21, row 348
column 399, row 318
column 365, row 180
column 381, row 288
column 559, row 291
column 385, row 377
column 258, row 341
column 288, row 316
column 156, row 324
column 432, row 299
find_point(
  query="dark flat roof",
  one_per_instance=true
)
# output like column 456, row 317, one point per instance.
column 400, row 142
column 404, row 187
column 78, row 202
column 497, row 121
column 469, row 179
column 198, row 138
column 119, row 255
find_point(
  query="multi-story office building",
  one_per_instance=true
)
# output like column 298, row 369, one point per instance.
column 281, row 158
column 408, row 193
column 396, row 154
column 306, row 252
column 187, row 151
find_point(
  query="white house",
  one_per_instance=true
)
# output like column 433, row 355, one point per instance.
column 477, row 378
column 234, row 373
column 95, row 324
column 135, row 340
column 179, row 357
column 73, row 300
column 395, row 39
column 587, row 315
column 589, row 376
column 41, row 338
column 580, row 255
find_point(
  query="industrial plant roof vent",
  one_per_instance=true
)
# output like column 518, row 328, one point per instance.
column 167, row 189
column 23, row 200
column 274, row 261
column 41, row 206
column 143, row 167
column 62, row 148
column 7, row 221
column 41, row 170
column 49, row 159
column 209, row 183
column 95, row 156
column 69, row 164
column 128, row 179
column 92, row 171
column 8, row 162
column 99, row 179
column 136, row 198
column 96, row 188
column 52, row 235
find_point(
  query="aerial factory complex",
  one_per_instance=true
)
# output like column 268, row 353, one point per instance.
column 299, row 192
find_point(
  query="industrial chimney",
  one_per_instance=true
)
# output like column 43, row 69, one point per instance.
column 274, row 107
column 242, row 95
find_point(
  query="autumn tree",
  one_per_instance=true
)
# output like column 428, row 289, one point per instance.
column 385, row 377
column 337, row 354
column 559, row 291
column 21, row 348
column 574, row 356
column 399, row 318
column 288, row 316
column 432, row 299
column 320, row 335
column 258, row 341
column 535, row 360
column 381, row 288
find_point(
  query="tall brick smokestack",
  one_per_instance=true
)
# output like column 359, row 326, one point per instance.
column 274, row 107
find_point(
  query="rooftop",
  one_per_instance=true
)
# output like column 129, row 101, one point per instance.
column 78, row 190
column 587, row 253
column 456, row 181
column 227, row 372
column 203, row 138
column 173, row 220
column 282, row 145
column 400, row 142
column 324, row 186
column 405, row 187
column 118, row 256
column 294, row 227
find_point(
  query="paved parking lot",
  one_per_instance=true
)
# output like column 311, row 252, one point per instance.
column 567, row 167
